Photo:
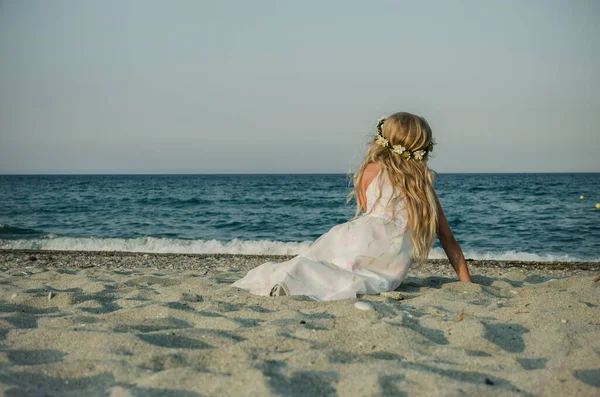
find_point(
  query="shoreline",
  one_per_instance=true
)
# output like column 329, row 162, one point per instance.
column 186, row 261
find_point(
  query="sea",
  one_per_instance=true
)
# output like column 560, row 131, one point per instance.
column 524, row 217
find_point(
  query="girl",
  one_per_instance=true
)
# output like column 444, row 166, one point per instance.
column 372, row 253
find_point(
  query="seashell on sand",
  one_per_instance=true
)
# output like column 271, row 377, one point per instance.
column 363, row 306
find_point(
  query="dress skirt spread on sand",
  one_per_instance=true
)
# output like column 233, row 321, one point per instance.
column 367, row 255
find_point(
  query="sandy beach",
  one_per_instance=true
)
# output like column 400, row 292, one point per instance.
column 132, row 324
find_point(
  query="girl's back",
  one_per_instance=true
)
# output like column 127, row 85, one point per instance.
column 379, row 197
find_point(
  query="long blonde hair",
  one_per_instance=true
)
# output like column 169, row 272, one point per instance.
column 411, row 179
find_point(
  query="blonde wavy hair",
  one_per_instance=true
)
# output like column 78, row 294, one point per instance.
column 411, row 179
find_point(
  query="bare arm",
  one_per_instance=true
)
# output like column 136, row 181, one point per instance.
column 451, row 247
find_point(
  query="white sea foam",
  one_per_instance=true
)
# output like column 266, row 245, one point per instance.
column 438, row 253
column 236, row 246
column 159, row 245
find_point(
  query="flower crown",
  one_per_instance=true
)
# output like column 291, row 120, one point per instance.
column 399, row 149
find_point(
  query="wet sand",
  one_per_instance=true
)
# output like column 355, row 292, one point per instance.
column 132, row 324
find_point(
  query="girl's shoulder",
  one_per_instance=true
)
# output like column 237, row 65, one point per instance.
column 372, row 169
column 370, row 172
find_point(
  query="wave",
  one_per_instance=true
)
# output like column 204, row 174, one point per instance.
column 158, row 245
column 438, row 253
column 236, row 246
column 8, row 231
column 173, row 201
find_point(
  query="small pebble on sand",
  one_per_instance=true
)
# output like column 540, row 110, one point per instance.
column 393, row 295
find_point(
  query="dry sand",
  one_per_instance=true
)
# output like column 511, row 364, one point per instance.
column 121, row 324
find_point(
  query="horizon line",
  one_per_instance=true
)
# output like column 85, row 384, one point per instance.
column 291, row 173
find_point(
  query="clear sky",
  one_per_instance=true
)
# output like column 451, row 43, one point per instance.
column 295, row 86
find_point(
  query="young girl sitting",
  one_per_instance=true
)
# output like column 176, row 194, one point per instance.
column 372, row 253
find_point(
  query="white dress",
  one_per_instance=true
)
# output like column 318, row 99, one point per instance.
column 367, row 255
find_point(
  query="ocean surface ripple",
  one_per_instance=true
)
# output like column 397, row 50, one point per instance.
column 494, row 216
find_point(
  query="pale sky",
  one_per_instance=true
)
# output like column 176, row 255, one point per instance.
column 295, row 86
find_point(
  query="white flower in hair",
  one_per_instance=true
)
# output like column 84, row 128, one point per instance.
column 380, row 123
column 399, row 149
column 381, row 141
column 419, row 154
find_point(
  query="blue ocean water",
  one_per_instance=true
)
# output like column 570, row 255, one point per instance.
column 493, row 216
